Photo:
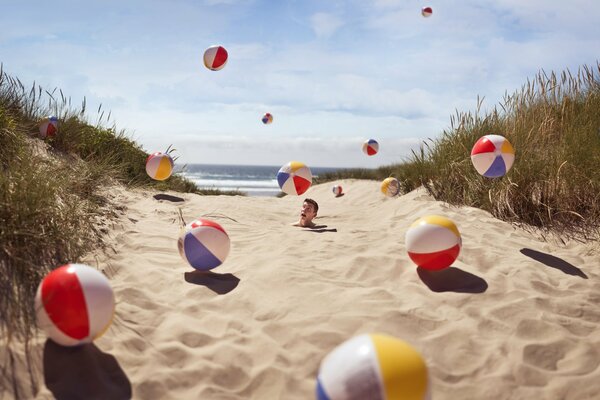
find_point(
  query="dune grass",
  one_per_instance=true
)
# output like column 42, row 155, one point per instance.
column 553, row 122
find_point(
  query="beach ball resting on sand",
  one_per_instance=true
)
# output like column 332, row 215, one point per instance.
column 426, row 11
column 294, row 178
column 433, row 242
column 215, row 57
column 370, row 147
column 204, row 244
column 267, row 118
column 337, row 190
column 390, row 186
column 492, row 156
column 373, row 366
column 74, row 304
column 159, row 166
column 48, row 127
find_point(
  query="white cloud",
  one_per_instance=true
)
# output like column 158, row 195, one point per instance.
column 325, row 24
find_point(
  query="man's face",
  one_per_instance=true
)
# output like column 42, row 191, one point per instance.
column 307, row 213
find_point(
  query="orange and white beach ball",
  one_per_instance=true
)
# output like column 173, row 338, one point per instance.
column 215, row 57
column 492, row 156
column 74, row 304
column 390, row 186
column 373, row 366
column 294, row 178
column 159, row 166
column 370, row 147
column 433, row 242
column 337, row 190
column 48, row 127
column 426, row 11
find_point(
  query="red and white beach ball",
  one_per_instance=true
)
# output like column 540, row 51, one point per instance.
column 48, row 127
column 373, row 366
column 492, row 156
column 74, row 304
column 370, row 147
column 426, row 12
column 159, row 166
column 337, row 190
column 267, row 118
column 294, row 178
column 433, row 242
column 390, row 186
column 204, row 244
column 215, row 57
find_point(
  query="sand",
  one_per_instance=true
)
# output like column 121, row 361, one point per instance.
column 514, row 318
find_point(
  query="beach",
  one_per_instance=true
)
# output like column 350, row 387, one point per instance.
column 514, row 318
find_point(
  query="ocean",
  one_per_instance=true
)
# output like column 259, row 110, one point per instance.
column 252, row 179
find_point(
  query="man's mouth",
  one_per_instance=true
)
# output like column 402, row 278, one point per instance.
column 302, row 215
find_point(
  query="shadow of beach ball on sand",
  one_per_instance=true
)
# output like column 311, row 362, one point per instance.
column 433, row 242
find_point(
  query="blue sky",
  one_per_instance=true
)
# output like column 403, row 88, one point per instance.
column 333, row 74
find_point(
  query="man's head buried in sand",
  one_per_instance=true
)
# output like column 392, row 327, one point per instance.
column 307, row 213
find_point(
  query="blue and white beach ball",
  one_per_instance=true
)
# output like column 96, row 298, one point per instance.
column 373, row 366
column 204, row 244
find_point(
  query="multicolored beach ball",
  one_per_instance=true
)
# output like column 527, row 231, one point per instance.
column 433, row 242
column 337, row 190
column 492, row 156
column 373, row 366
column 370, row 147
column 267, row 118
column 426, row 12
column 204, row 244
column 215, row 57
column 294, row 178
column 159, row 166
column 48, row 127
column 74, row 304
column 390, row 186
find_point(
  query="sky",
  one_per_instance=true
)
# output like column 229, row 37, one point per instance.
column 332, row 73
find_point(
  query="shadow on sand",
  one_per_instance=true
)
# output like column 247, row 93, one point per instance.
column 452, row 279
column 218, row 283
column 554, row 262
column 168, row 197
column 83, row 372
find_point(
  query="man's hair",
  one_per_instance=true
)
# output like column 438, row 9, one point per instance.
column 314, row 204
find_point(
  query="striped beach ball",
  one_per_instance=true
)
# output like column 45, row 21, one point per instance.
column 426, row 11
column 492, row 156
column 74, row 304
column 48, row 127
column 390, row 186
column 215, row 57
column 159, row 166
column 267, row 118
column 373, row 366
column 294, row 178
column 433, row 242
column 370, row 147
column 337, row 190
column 204, row 244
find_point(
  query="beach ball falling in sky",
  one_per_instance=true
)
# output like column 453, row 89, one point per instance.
column 373, row 366
column 215, row 57
column 294, row 178
column 74, row 304
column 433, row 242
column 204, row 244
column 492, row 156
column 159, row 166
column 267, row 118
column 390, row 186
column 370, row 147
column 426, row 12
column 337, row 190
column 48, row 127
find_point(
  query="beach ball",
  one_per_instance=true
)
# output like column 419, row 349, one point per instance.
column 294, row 178
column 370, row 147
column 433, row 242
column 390, row 186
column 204, row 244
column 215, row 58
column 159, row 166
column 373, row 366
column 337, row 190
column 74, row 304
column 492, row 156
column 267, row 118
column 426, row 11
column 48, row 127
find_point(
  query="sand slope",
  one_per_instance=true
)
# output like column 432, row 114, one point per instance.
column 515, row 318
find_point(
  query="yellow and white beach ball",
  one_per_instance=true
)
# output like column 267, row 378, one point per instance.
column 433, row 242
column 373, row 366
column 159, row 166
column 390, row 186
column 294, row 178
